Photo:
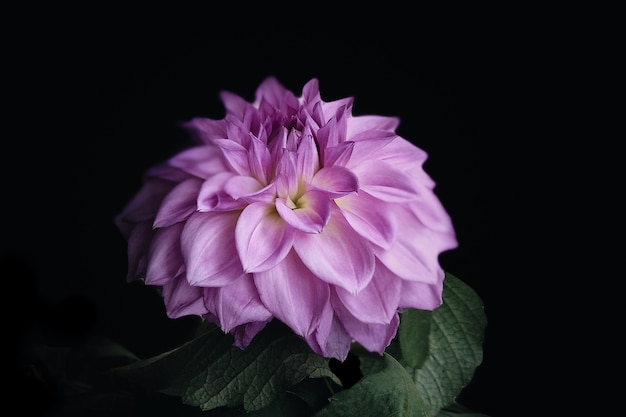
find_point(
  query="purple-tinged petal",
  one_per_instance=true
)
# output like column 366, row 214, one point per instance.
column 263, row 239
column 293, row 294
column 338, row 155
column 249, row 189
column 237, row 304
column 138, row 242
column 244, row 334
column 340, row 110
column 307, row 158
column 144, row 205
column 235, row 105
column 403, row 155
column 205, row 130
column 414, row 254
column 359, row 124
column 179, row 203
column 200, row 161
column 370, row 217
column 337, row 255
column 271, row 94
column 376, row 303
column 165, row 260
column 373, row 337
column 236, row 155
column 336, row 181
column 367, row 148
column 213, row 197
column 208, row 246
column 429, row 210
column 309, row 214
column 330, row 339
column 182, row 299
column 422, row 296
column 327, row 136
column 383, row 181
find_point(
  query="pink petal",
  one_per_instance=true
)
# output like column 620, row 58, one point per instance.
column 330, row 339
column 206, row 130
column 179, row 203
column 199, row 161
column 208, row 246
column 145, row 204
column 420, row 295
column 236, row 155
column 249, row 189
column 293, row 294
column 181, row 299
column 165, row 260
column 367, row 148
column 337, row 255
column 378, row 302
column 263, row 239
column 338, row 155
column 337, row 181
column 237, row 304
column 414, row 254
column 213, row 197
column 431, row 212
column 310, row 214
column 373, row 337
column 244, row 334
column 369, row 217
column 384, row 181
column 359, row 124
column 138, row 242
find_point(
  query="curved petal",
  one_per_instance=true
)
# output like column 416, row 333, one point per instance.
column 244, row 333
column 262, row 238
column 337, row 255
column 182, row 299
column 165, row 260
column 378, row 302
column 249, row 189
column 431, row 212
column 384, row 181
column 370, row 217
column 310, row 214
column 237, row 304
column 293, row 294
column 359, row 124
column 414, row 256
column 208, row 246
column 373, row 337
column 330, row 339
column 420, row 295
column 236, row 155
column 336, row 181
column 179, row 203
column 200, row 161
column 213, row 197
column 144, row 205
column 138, row 243
column 205, row 130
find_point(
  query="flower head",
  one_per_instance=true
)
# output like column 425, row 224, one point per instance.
column 292, row 208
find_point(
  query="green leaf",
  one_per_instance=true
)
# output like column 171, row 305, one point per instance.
column 413, row 336
column 455, row 342
column 385, row 390
column 209, row 372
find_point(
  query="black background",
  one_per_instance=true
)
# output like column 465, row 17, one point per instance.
column 91, row 108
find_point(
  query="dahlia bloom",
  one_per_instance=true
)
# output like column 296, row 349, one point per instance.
column 292, row 208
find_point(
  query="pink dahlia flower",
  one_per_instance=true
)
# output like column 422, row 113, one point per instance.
column 292, row 208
